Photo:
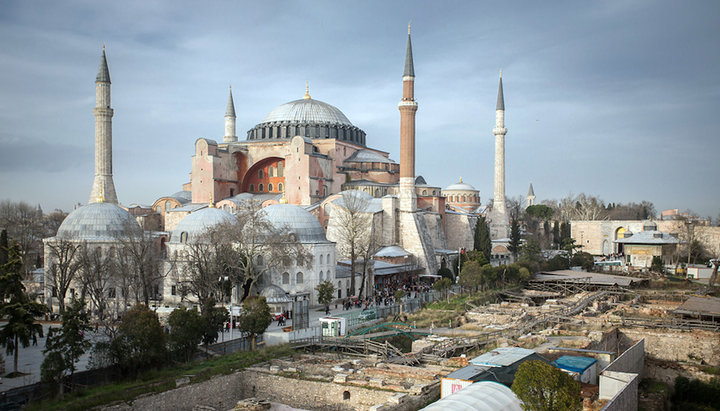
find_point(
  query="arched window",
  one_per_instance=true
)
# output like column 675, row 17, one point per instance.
column 271, row 171
column 322, row 257
column 328, row 259
column 346, row 396
column 286, row 278
column 158, row 209
column 259, row 260
column 280, row 187
column 183, row 237
column 281, row 171
column 252, row 187
column 260, row 187
column 260, row 173
column 321, row 275
column 424, row 192
column 270, row 186
column 464, row 199
column 299, row 278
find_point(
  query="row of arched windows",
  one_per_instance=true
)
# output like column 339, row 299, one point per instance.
column 270, row 187
column 464, row 198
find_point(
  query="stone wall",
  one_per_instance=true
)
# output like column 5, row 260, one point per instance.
column 678, row 345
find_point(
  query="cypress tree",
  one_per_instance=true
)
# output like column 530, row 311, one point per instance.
column 482, row 237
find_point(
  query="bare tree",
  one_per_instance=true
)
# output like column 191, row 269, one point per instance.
column 24, row 224
column 352, row 225
column 61, row 268
column 95, row 273
column 140, row 259
column 241, row 246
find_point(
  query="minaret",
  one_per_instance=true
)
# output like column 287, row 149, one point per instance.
column 408, row 107
column 530, row 196
column 103, row 188
column 499, row 226
column 230, row 136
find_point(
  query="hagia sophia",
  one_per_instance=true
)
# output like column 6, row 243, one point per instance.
column 301, row 162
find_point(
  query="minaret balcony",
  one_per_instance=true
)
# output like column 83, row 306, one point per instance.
column 500, row 130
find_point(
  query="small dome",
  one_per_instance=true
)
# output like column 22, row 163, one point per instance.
column 459, row 186
column 649, row 225
column 307, row 111
column 295, row 220
column 198, row 222
column 97, row 222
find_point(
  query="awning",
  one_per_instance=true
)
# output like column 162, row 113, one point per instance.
column 431, row 275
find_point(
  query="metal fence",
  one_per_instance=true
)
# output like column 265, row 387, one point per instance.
column 357, row 319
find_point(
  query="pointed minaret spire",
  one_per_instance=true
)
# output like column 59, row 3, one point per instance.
column 103, row 75
column 230, row 135
column 500, row 99
column 530, row 196
column 103, row 189
column 409, row 67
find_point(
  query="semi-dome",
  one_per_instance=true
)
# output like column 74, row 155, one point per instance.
column 97, row 222
column 295, row 220
column 197, row 223
column 306, row 117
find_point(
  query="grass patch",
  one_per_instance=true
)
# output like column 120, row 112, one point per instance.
column 157, row 381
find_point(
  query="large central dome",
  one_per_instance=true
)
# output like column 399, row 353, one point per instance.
column 307, row 111
column 306, row 117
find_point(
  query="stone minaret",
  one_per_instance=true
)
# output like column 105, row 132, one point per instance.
column 230, row 136
column 103, row 189
column 408, row 107
column 499, row 225
column 530, row 196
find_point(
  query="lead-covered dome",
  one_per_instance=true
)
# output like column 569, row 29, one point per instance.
column 197, row 223
column 306, row 117
column 97, row 222
column 297, row 221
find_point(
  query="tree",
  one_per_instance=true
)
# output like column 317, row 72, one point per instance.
column 482, row 237
column 584, row 260
column 530, row 251
column 252, row 240
column 213, row 318
column 186, row 332
column 255, row 317
column 351, row 227
column 539, row 211
column 24, row 225
column 445, row 272
column 61, row 269
column 96, row 272
column 514, row 245
column 442, row 285
column 17, row 308
column 471, row 276
column 140, row 341
column 139, row 257
column 325, row 292
column 65, row 345
column 542, row 387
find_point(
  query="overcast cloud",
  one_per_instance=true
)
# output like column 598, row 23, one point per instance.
column 619, row 99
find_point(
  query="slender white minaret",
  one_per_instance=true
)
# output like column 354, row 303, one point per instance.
column 230, row 135
column 103, row 189
column 499, row 225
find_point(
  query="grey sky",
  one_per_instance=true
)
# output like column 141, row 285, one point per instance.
column 619, row 99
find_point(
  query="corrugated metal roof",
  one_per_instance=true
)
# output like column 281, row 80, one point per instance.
column 467, row 373
column 585, row 277
column 502, row 356
column 574, row 364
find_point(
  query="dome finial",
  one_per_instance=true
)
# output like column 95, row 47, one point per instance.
column 409, row 27
column 307, row 90
column 212, row 204
column 461, row 179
